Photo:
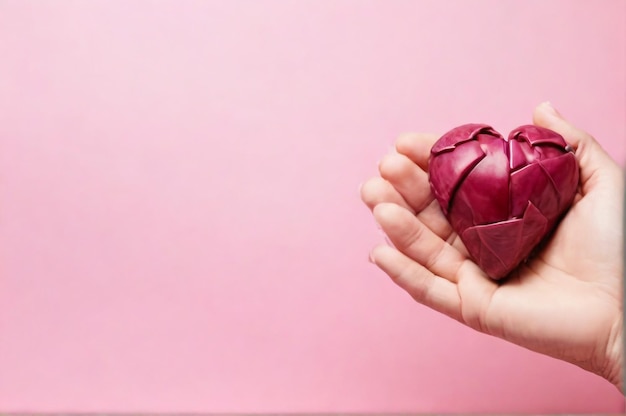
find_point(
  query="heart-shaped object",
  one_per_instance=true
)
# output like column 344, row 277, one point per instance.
column 502, row 196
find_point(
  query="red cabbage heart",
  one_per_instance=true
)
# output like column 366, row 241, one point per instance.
column 502, row 196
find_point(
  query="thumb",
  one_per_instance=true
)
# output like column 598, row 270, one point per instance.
column 593, row 160
column 547, row 116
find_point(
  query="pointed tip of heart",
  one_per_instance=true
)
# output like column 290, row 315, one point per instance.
column 500, row 247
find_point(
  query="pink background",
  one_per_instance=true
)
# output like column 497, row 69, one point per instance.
column 181, row 228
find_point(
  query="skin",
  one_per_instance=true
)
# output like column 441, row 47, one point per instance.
column 566, row 302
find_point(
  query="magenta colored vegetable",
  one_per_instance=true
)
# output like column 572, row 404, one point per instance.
column 502, row 196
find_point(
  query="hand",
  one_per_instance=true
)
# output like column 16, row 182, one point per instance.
column 566, row 302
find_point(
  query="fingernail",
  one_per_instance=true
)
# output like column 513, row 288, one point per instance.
column 370, row 258
column 360, row 187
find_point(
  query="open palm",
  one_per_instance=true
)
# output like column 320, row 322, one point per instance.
column 566, row 302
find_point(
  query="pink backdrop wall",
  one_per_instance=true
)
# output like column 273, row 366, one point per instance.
column 180, row 223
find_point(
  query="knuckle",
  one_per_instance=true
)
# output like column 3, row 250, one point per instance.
column 435, row 258
column 414, row 235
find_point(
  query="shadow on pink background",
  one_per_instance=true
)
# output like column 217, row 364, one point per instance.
column 181, row 228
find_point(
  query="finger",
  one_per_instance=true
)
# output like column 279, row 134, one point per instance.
column 424, row 286
column 545, row 115
column 591, row 156
column 416, row 146
column 409, row 235
column 378, row 190
column 433, row 218
column 408, row 178
column 412, row 184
